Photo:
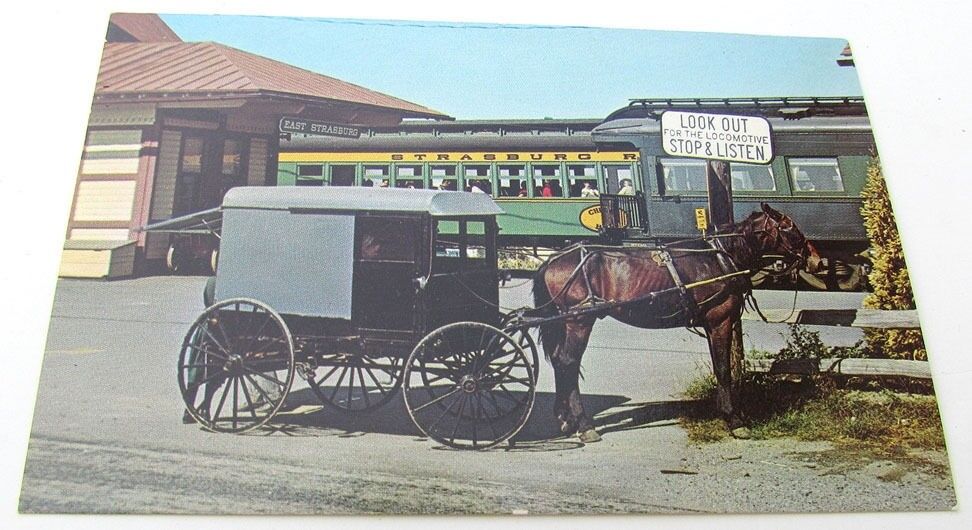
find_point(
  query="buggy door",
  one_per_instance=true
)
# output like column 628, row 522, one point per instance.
column 463, row 285
column 388, row 251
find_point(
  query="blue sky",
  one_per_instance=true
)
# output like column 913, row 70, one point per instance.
column 477, row 71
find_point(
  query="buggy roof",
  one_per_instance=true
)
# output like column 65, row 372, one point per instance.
column 354, row 199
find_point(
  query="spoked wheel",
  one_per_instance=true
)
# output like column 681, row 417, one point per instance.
column 469, row 386
column 175, row 259
column 236, row 366
column 356, row 382
column 524, row 340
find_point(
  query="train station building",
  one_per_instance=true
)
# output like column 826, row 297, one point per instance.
column 175, row 124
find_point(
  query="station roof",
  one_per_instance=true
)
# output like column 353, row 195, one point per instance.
column 353, row 199
column 208, row 70
column 139, row 27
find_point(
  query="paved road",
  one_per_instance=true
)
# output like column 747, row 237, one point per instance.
column 107, row 435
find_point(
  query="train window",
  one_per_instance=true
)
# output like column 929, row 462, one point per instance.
column 310, row 175
column 477, row 178
column 681, row 175
column 312, row 170
column 750, row 177
column 342, row 175
column 815, row 174
column 546, row 181
column 375, row 176
column 512, row 181
column 614, row 175
column 582, row 180
column 409, row 177
column 444, row 177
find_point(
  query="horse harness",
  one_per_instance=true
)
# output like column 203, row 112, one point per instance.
column 662, row 256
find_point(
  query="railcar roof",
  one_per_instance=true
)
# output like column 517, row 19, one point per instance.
column 641, row 126
column 356, row 199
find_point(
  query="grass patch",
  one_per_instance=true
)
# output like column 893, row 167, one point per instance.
column 701, row 389
column 884, row 421
column 814, row 409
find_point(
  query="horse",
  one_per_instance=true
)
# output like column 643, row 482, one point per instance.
column 701, row 283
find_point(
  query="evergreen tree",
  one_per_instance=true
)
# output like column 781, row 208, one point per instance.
column 889, row 275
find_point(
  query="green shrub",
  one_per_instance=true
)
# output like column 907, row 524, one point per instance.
column 521, row 261
column 803, row 343
column 889, row 274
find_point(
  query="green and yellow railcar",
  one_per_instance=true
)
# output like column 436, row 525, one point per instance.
column 547, row 174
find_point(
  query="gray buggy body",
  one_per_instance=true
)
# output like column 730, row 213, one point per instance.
column 358, row 254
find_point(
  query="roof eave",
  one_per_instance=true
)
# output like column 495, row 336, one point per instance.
column 194, row 96
column 406, row 113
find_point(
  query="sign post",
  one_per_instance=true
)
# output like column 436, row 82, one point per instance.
column 719, row 182
column 719, row 139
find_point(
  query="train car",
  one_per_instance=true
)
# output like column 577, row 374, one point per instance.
column 546, row 174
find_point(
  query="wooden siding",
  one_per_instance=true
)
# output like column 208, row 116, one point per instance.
column 259, row 155
column 105, row 200
column 156, row 245
column 107, row 263
column 111, row 152
column 166, row 170
column 107, row 234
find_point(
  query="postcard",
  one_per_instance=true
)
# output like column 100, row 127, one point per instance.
column 341, row 266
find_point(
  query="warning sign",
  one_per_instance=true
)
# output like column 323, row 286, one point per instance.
column 717, row 137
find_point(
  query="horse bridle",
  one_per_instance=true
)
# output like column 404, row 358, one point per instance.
column 798, row 255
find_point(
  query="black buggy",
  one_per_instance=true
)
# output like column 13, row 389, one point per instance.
column 358, row 293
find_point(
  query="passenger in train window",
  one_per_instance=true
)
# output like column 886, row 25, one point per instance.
column 589, row 191
column 626, row 188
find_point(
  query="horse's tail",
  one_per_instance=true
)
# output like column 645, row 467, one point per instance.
column 552, row 334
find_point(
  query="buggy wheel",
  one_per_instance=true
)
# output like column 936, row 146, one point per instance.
column 236, row 366
column 524, row 340
column 175, row 258
column 469, row 386
column 356, row 382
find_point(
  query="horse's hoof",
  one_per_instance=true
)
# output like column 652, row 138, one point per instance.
column 741, row 433
column 187, row 418
column 589, row 436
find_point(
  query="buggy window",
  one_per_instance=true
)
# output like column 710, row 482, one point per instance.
column 388, row 239
column 476, row 244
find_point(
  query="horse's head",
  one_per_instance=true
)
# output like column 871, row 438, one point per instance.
column 776, row 233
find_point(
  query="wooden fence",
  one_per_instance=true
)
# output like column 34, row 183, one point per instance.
column 858, row 318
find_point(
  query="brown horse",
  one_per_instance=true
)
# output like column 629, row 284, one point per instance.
column 653, row 289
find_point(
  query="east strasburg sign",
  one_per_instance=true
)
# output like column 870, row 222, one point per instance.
column 717, row 137
column 317, row 128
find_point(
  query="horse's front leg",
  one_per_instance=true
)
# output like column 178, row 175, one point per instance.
column 727, row 365
column 567, row 371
